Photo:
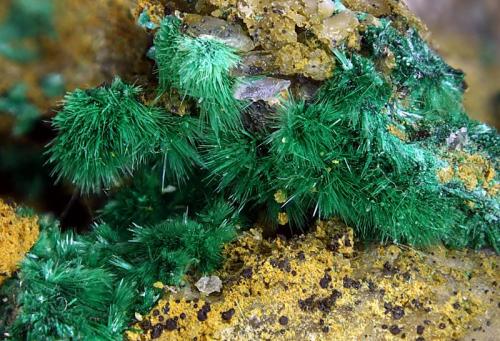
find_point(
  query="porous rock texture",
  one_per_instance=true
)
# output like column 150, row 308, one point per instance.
column 321, row 286
column 17, row 236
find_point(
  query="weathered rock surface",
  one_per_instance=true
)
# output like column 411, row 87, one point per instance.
column 319, row 287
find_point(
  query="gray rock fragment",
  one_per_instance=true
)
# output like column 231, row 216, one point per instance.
column 209, row 284
column 260, row 89
column 229, row 33
column 458, row 139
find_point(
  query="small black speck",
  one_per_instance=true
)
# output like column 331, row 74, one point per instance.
column 301, row 256
column 247, row 272
column 156, row 331
column 146, row 324
column 397, row 312
column 442, row 325
column 395, row 330
column 283, row 320
column 347, row 241
column 420, row 329
column 325, row 281
column 182, row 316
column 371, row 286
column 202, row 315
column 170, row 324
column 227, row 315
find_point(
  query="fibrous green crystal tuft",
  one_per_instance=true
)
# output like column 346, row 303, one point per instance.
column 331, row 111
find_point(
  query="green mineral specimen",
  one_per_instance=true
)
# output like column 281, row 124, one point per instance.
column 294, row 111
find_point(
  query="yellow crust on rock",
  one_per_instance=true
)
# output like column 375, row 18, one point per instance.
column 296, row 35
column 473, row 170
column 318, row 287
column 17, row 236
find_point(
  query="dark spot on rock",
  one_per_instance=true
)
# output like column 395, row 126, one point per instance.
column 307, row 304
column 336, row 294
column 166, row 309
column 416, row 303
column 170, row 324
column 333, row 246
column 456, row 305
column 351, row 283
column 488, row 323
column 347, row 241
column 294, row 273
column 371, row 286
column 177, row 301
column 325, row 281
column 145, row 325
column 182, row 316
column 227, row 315
column 442, row 325
column 284, row 265
column 397, row 312
column 407, row 276
column 420, row 338
column 389, row 270
column 283, row 320
column 202, row 315
column 301, row 256
column 395, row 330
column 247, row 272
column 420, row 329
column 325, row 329
column 156, row 331
column 156, row 312
column 321, row 322
column 427, row 322
column 160, row 318
column 384, row 326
